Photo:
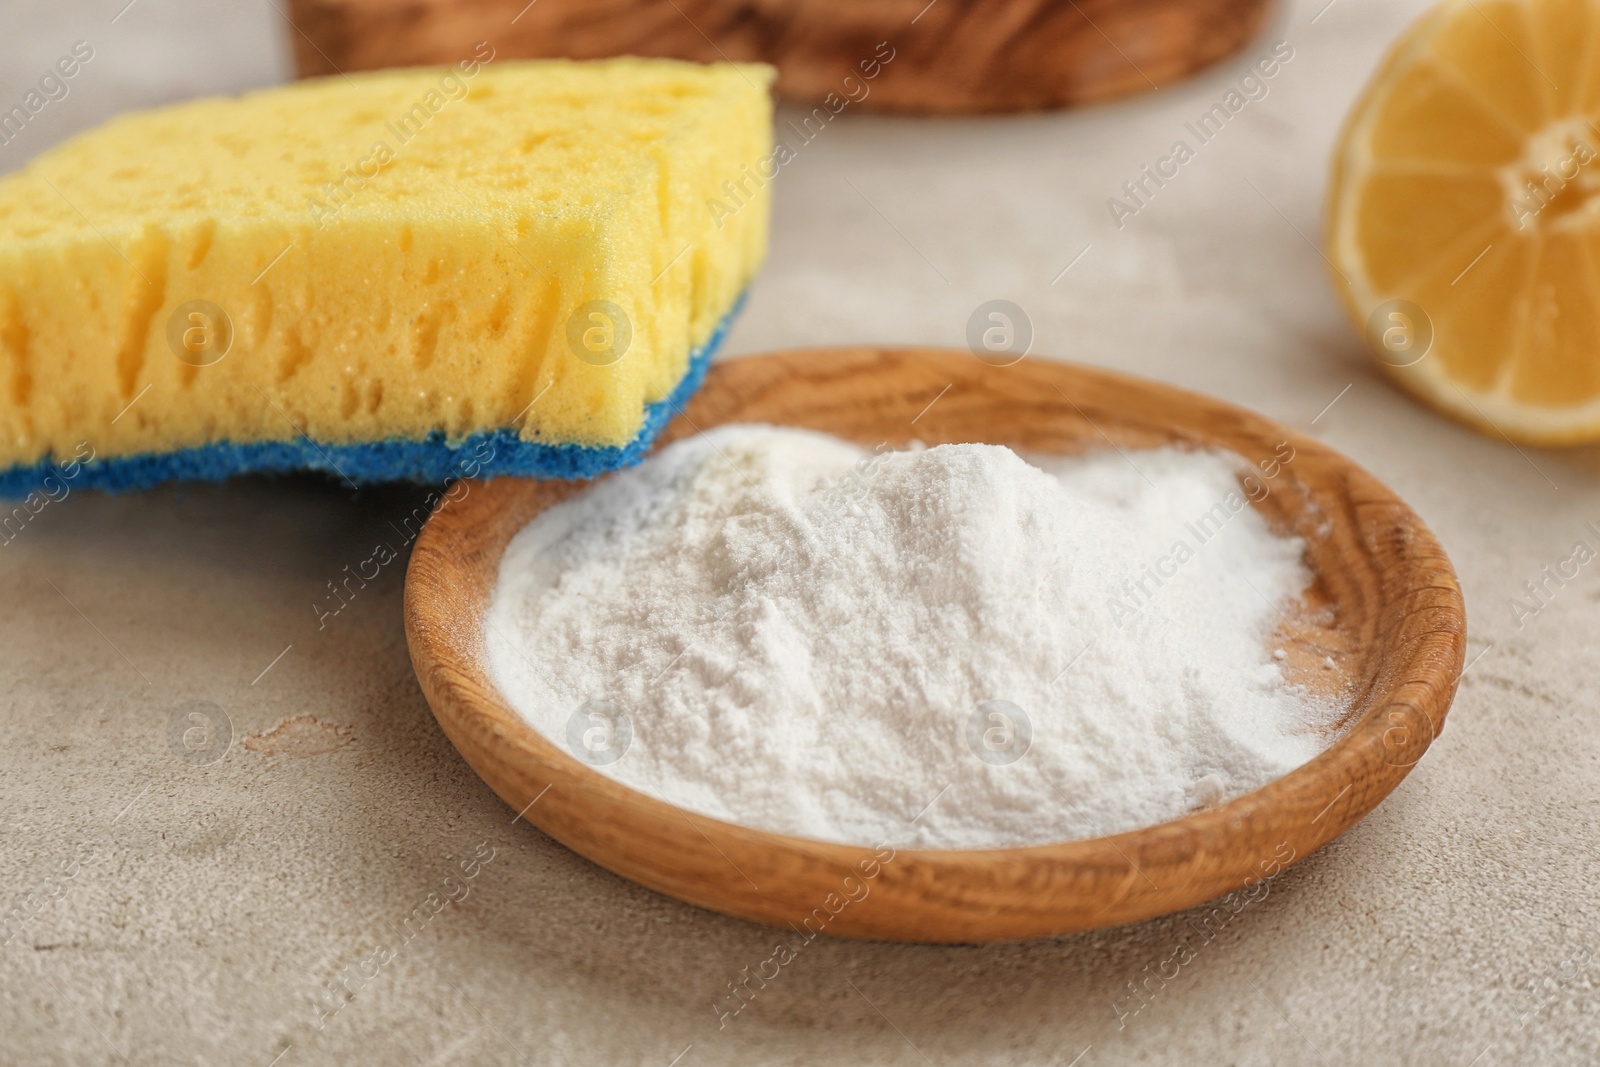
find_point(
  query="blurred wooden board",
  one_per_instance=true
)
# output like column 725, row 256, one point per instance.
column 947, row 56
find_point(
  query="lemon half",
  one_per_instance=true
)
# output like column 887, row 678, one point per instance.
column 1463, row 222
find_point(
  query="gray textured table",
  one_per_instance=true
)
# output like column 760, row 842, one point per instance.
column 160, row 911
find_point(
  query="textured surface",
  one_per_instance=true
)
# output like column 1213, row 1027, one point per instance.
column 1453, row 922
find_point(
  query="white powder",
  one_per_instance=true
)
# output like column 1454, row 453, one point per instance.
column 944, row 647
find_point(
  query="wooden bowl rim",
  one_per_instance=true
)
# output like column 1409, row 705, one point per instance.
column 1416, row 697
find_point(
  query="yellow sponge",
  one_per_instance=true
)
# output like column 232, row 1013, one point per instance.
column 530, row 251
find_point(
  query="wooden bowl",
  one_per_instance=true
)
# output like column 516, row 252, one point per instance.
column 949, row 56
column 1385, row 607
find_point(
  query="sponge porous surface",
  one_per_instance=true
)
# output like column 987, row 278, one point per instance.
column 528, row 250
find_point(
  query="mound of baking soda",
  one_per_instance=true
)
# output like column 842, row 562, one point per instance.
column 942, row 647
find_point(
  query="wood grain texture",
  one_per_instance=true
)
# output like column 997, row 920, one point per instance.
column 1385, row 606
column 951, row 56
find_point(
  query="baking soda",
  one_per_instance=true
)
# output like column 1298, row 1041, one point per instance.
column 942, row 647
